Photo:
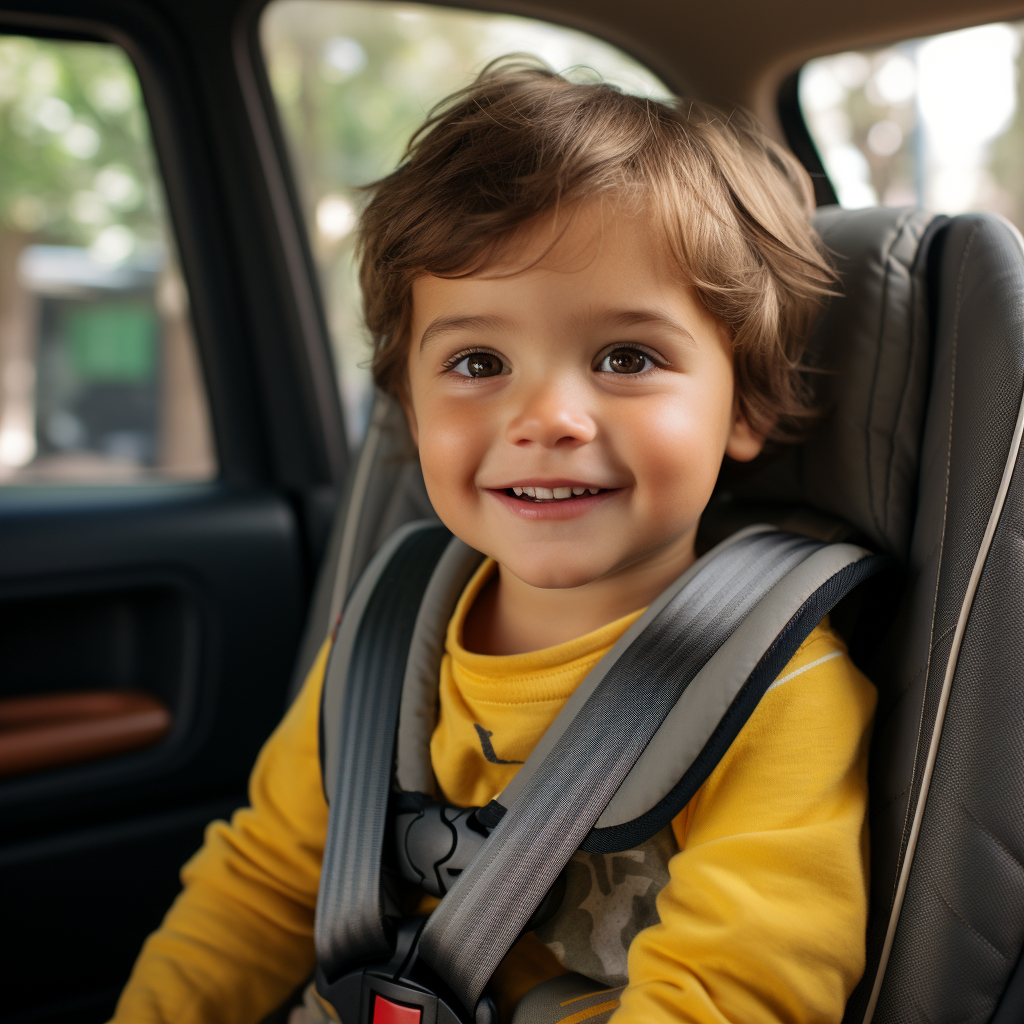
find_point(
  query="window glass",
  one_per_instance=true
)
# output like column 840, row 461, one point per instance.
column 935, row 122
column 99, row 379
column 352, row 80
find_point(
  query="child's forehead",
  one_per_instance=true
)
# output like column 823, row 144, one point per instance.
column 580, row 278
column 573, row 239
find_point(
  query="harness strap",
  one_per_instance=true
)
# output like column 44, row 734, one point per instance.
column 485, row 911
column 676, row 665
column 363, row 685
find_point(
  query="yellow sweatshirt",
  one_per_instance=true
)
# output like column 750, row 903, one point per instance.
column 762, row 917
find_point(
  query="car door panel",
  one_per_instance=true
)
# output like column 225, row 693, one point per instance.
column 78, row 905
column 194, row 596
column 191, row 594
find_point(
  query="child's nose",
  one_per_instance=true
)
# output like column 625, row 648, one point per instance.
column 552, row 416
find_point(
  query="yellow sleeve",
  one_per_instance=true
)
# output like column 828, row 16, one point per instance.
column 764, row 916
column 239, row 938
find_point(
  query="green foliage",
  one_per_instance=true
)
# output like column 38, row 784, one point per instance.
column 76, row 155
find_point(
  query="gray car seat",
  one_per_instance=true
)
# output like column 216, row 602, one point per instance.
column 920, row 366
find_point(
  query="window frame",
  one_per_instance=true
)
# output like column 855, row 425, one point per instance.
column 798, row 138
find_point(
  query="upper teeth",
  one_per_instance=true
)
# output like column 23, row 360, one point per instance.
column 549, row 493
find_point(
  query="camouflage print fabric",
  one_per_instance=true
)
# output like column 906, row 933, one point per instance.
column 609, row 898
column 568, row 999
column 313, row 1009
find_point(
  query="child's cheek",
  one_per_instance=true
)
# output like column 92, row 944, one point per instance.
column 451, row 450
column 680, row 445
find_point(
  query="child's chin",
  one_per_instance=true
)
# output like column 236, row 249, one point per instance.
column 549, row 577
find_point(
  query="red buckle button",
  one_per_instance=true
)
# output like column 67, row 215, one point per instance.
column 387, row 1012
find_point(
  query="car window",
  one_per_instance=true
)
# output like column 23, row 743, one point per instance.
column 934, row 122
column 99, row 377
column 352, row 80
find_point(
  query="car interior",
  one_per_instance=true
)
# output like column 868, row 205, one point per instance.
column 194, row 470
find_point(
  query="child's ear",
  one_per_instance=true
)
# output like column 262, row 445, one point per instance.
column 744, row 443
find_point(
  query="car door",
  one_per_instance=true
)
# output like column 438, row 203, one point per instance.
column 170, row 448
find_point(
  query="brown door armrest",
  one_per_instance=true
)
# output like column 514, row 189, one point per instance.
column 67, row 728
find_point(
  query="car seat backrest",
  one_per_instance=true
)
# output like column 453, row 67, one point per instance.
column 920, row 371
column 923, row 376
column 947, row 784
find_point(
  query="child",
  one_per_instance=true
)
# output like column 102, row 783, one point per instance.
column 584, row 301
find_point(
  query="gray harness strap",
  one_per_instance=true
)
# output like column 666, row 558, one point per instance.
column 362, row 690
column 694, row 666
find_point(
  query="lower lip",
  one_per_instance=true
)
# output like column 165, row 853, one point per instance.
column 568, row 508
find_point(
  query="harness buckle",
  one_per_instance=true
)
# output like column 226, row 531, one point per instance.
column 387, row 1012
column 399, row 991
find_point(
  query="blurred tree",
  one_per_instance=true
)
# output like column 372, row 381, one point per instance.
column 74, row 147
column 73, row 170
column 1007, row 151
column 77, row 169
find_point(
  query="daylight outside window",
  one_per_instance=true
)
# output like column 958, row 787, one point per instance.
column 99, row 379
column 352, row 80
column 934, row 122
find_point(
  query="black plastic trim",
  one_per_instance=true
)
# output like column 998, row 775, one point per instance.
column 800, row 142
column 320, row 380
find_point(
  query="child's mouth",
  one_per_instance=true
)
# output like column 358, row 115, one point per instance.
column 551, row 494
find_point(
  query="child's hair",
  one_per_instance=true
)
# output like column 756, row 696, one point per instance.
column 522, row 141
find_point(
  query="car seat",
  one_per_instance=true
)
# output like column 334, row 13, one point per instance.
column 919, row 365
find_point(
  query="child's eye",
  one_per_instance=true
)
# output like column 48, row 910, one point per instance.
column 479, row 364
column 626, row 360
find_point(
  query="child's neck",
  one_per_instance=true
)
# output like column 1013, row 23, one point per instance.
column 511, row 617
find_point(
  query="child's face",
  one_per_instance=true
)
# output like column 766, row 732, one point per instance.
column 596, row 368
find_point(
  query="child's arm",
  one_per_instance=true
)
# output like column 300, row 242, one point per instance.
column 764, row 916
column 239, row 938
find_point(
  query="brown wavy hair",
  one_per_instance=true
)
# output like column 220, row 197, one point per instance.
column 523, row 141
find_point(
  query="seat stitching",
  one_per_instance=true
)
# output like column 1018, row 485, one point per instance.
column 967, row 924
column 898, row 695
column 902, row 692
column 886, row 806
column 915, row 288
column 995, row 839
column 886, row 262
column 942, row 636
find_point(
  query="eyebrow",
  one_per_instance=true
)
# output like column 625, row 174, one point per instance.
column 637, row 318
column 456, row 324
column 615, row 318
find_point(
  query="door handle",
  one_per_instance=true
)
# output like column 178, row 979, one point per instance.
column 56, row 729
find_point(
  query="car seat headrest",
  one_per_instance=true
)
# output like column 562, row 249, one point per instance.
column 869, row 353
